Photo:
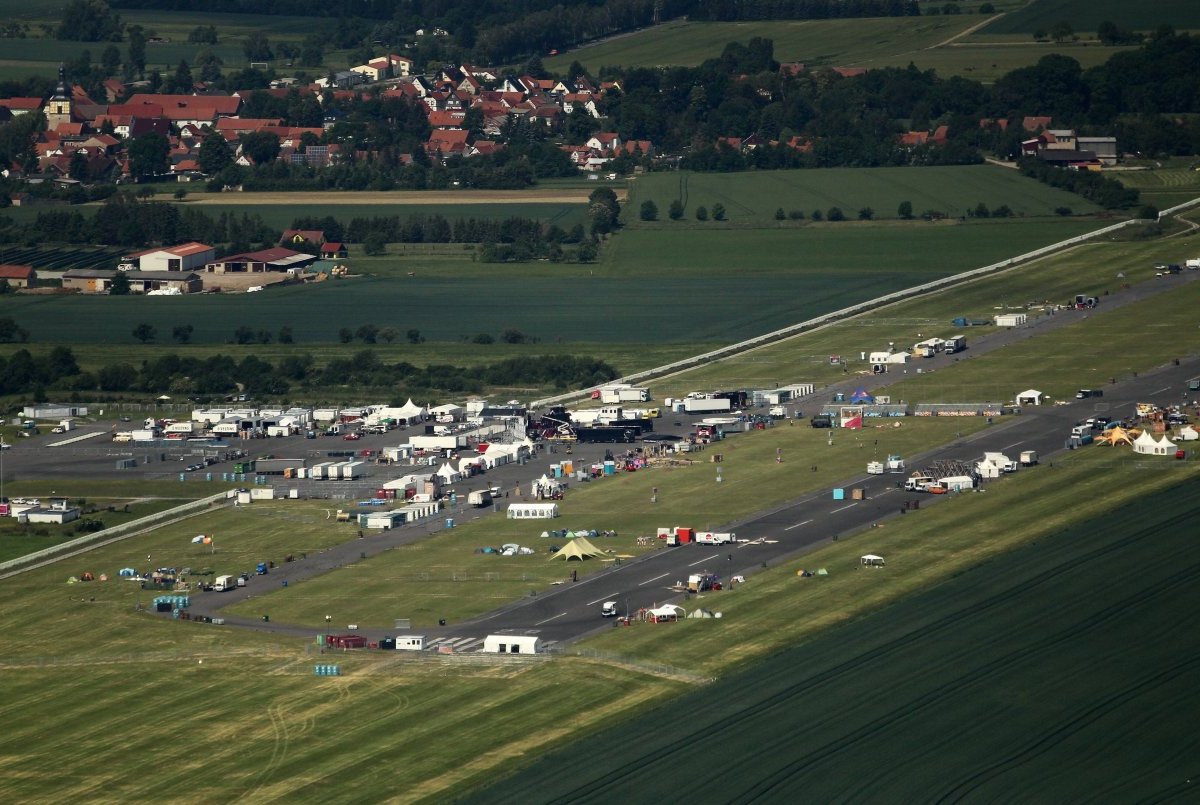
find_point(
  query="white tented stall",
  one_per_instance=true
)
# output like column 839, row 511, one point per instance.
column 1030, row 397
column 512, row 644
column 532, row 511
column 1011, row 319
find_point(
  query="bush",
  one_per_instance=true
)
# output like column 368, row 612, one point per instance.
column 780, row 214
column 675, row 211
column 905, row 210
column 835, row 214
column 866, row 214
column 1063, row 211
column 718, row 212
column 649, row 211
column 483, row 338
column 796, row 215
column 701, row 214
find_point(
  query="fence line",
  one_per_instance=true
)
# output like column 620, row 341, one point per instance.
column 861, row 307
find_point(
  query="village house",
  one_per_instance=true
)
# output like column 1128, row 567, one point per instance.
column 18, row 276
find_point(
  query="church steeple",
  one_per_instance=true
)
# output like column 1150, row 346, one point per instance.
column 58, row 109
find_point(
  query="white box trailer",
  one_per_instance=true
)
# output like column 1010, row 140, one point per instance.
column 955, row 343
column 1028, row 458
column 706, row 405
column 144, row 435
column 187, row 428
column 623, row 392
column 479, row 498
column 715, row 538
column 317, row 471
column 353, row 469
column 224, row 584
column 435, row 442
column 414, row 642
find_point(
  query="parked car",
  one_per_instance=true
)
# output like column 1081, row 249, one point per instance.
column 353, row 436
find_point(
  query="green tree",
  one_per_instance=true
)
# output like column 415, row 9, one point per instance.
column 835, row 214
column 817, row 215
column 182, row 333
column 513, row 336
column 1148, row 212
column 260, row 146
column 345, row 335
column 604, row 210
column 701, row 213
column 78, row 167
column 119, row 285
column 718, row 212
column 110, row 60
column 215, row 154
column 209, row 64
column 183, row 78
column 243, row 335
column 137, row 49
column 982, row 211
column 483, row 338
column 144, row 333
column 257, row 47
column 780, row 215
column 148, row 154
column 388, row 334
column 312, row 50
column 203, row 35
column 905, row 210
column 1061, row 31
column 88, row 21
column 286, row 337
column 414, row 336
column 367, row 333
column 588, row 251
column 866, row 214
column 649, row 211
column 374, row 245
column 675, row 211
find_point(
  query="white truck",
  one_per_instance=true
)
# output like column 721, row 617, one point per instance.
column 621, row 393
column 715, row 538
column 894, row 463
column 224, row 583
column 874, row 468
column 1028, row 458
column 479, row 498
column 955, row 343
column 919, row 483
column 957, row 483
column 706, row 405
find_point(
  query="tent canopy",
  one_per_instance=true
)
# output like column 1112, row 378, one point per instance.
column 862, row 395
column 579, row 548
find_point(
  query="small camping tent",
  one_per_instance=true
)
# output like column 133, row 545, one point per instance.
column 871, row 560
column 579, row 548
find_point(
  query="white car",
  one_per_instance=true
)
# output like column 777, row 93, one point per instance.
column 57, row 430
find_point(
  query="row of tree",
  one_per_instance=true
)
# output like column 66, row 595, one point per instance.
column 58, row 370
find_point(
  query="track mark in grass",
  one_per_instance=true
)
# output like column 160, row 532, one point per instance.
column 601, row 598
column 852, row 505
column 705, row 559
column 559, row 615
column 797, row 525
column 656, row 578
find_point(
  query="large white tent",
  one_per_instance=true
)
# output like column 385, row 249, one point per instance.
column 1149, row 446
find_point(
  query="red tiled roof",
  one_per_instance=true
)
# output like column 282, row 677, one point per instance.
column 13, row 272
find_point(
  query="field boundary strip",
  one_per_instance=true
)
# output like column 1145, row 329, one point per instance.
column 724, row 353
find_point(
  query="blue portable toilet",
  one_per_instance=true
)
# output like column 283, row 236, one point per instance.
column 449, row 522
column 183, row 476
column 208, row 476
column 839, row 494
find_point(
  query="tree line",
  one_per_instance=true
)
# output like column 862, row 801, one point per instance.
column 58, row 371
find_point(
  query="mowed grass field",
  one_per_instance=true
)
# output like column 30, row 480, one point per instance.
column 817, row 43
column 1028, row 678
column 1164, row 187
column 1086, row 15
column 754, row 197
column 986, row 59
column 730, row 285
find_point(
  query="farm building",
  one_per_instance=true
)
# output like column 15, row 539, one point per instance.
column 184, row 257
column 99, row 280
column 533, row 511
column 277, row 259
column 1011, row 319
column 512, row 644
column 18, row 276
column 53, row 411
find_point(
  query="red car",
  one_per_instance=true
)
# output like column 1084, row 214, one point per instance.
column 353, row 436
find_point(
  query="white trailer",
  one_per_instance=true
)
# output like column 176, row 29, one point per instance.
column 955, row 343
column 874, row 468
column 224, row 584
column 479, row 498
column 706, row 405
column 715, row 538
column 623, row 392
column 317, row 472
column 187, row 428
column 957, row 483
column 1028, row 458
column 352, row 470
column 144, row 435
column 919, row 483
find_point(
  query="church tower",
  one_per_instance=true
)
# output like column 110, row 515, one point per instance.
column 58, row 108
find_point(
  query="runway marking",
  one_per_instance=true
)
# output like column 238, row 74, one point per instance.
column 559, row 615
column 1161, row 390
column 1014, row 444
column 702, row 561
column 886, row 492
column 656, row 578
column 852, row 505
column 602, row 598
column 74, row 439
column 797, row 525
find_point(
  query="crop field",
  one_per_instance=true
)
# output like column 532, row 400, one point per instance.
column 753, row 198
column 787, row 280
column 56, row 258
column 820, row 43
column 1086, row 15
column 1029, row 678
column 981, row 59
column 1163, row 187
column 282, row 215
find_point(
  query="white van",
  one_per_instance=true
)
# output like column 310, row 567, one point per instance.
column 224, row 584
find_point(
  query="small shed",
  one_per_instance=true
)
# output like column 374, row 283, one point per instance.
column 1030, row 397
column 870, row 560
column 533, row 511
column 1011, row 319
column 512, row 644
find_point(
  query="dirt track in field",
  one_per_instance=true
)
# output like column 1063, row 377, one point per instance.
column 401, row 198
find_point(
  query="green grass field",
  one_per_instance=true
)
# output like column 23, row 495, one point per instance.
column 1086, row 15
column 1164, row 187
column 281, row 216
column 756, row 281
column 818, row 43
column 985, row 60
column 753, row 198
column 1027, row 678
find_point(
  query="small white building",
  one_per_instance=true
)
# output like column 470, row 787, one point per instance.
column 512, row 644
column 59, row 511
column 1011, row 319
column 415, row 642
column 533, row 511
column 1030, row 397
